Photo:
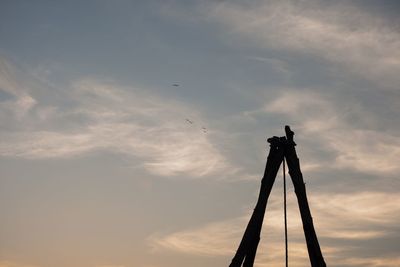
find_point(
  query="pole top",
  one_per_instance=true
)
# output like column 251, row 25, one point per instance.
column 289, row 135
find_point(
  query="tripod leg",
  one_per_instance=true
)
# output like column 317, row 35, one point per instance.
column 248, row 246
column 314, row 250
column 251, row 253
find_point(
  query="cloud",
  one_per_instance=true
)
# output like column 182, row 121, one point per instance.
column 329, row 123
column 19, row 101
column 220, row 239
column 211, row 239
column 372, row 261
column 362, row 215
column 355, row 218
column 340, row 33
column 104, row 116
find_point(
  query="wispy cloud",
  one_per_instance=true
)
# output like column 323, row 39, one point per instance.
column 342, row 34
column 360, row 217
column 103, row 115
column 212, row 239
column 330, row 123
column 371, row 261
column 21, row 101
column 220, row 239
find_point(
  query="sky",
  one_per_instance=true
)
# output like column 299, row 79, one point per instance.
column 133, row 133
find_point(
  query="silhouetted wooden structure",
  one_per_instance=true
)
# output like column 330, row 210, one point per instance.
column 280, row 148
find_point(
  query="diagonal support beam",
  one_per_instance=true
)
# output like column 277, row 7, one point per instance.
column 280, row 148
column 314, row 250
column 248, row 246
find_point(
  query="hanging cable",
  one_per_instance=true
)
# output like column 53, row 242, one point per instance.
column 285, row 213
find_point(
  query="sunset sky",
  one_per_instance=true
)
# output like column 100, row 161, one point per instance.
column 133, row 133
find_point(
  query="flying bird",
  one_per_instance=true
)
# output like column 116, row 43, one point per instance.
column 204, row 129
column 189, row 121
column 175, row 84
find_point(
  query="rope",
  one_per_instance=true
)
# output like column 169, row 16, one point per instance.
column 285, row 213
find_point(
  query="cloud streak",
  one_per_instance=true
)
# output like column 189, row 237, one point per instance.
column 343, row 34
column 104, row 116
column 326, row 121
column 355, row 218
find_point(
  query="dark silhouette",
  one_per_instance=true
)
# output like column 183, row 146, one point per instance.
column 175, row 84
column 280, row 148
column 189, row 121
